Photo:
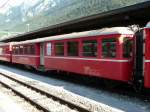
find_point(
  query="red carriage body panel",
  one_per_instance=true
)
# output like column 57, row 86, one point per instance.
column 32, row 60
column 5, row 52
column 113, row 69
column 118, row 68
column 97, row 53
column 147, row 57
column 26, row 54
column 5, row 57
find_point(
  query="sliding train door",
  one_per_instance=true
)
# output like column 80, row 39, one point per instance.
column 41, row 54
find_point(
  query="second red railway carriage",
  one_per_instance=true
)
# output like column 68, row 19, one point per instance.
column 26, row 54
column 5, row 52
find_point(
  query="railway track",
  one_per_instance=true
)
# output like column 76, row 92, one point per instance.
column 42, row 100
column 47, row 98
column 121, row 89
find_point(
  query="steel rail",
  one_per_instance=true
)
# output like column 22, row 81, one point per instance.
column 62, row 101
column 25, row 97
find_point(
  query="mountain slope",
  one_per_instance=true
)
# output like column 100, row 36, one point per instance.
column 43, row 13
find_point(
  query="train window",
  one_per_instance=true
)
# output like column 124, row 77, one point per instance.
column 32, row 49
column 7, row 50
column 90, row 48
column 109, row 48
column 16, row 50
column 49, row 49
column 127, row 47
column 25, row 50
column 13, row 50
column 59, row 49
column 73, row 48
column 4, row 50
column 1, row 51
column 28, row 49
column 21, row 50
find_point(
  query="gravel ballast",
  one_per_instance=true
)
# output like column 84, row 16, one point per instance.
column 89, row 104
column 20, row 105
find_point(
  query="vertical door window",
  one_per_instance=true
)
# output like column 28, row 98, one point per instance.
column 49, row 49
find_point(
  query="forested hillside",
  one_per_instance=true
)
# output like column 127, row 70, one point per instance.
column 49, row 12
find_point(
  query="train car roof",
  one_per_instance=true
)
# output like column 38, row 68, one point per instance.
column 4, row 44
column 104, row 31
column 148, row 25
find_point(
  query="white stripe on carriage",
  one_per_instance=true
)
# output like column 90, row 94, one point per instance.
column 146, row 60
column 25, row 56
column 5, row 54
column 112, row 60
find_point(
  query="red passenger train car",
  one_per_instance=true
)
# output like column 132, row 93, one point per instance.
column 87, row 53
column 26, row 54
column 117, row 53
column 101, row 53
column 5, row 52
